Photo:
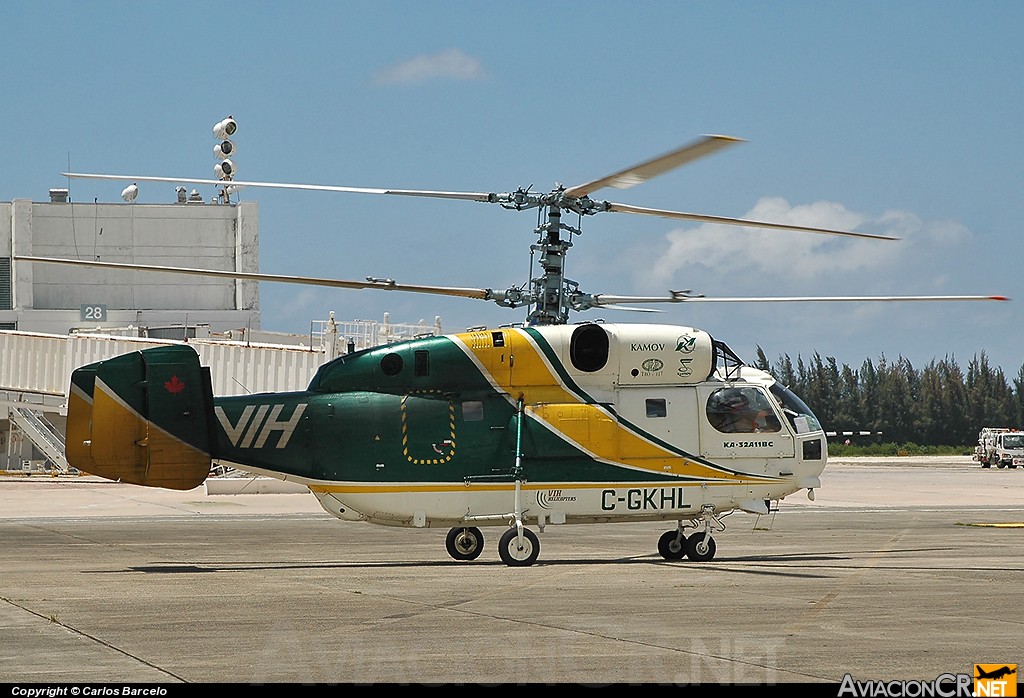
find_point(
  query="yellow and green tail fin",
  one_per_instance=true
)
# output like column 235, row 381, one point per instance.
column 144, row 418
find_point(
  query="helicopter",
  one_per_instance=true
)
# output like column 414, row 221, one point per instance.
column 510, row 428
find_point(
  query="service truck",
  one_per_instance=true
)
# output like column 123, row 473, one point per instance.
column 1000, row 446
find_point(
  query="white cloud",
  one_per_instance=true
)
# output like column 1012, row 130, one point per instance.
column 753, row 259
column 451, row 64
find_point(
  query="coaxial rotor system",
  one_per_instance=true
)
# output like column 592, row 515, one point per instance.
column 550, row 296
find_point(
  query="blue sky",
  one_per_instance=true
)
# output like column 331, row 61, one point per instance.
column 898, row 118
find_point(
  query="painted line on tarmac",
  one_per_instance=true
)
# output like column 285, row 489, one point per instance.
column 998, row 525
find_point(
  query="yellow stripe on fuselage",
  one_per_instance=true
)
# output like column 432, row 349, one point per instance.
column 522, row 370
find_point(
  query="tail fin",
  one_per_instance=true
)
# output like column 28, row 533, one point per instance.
column 143, row 418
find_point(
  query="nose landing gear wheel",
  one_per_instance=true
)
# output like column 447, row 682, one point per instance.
column 700, row 547
column 672, row 545
column 515, row 556
column 464, row 543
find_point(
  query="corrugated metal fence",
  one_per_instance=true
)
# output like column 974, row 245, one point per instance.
column 42, row 363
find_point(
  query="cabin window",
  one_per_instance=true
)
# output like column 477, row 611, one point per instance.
column 588, row 348
column 742, row 410
column 472, row 411
column 422, row 363
column 391, row 364
column 657, row 407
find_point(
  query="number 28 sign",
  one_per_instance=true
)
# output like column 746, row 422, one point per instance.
column 94, row 312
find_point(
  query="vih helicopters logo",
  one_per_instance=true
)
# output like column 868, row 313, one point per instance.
column 251, row 431
column 995, row 680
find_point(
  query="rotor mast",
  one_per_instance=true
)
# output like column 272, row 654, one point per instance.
column 550, row 291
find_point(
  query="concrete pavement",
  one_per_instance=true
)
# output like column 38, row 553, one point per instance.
column 899, row 570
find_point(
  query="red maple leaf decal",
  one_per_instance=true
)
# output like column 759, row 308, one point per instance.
column 174, row 385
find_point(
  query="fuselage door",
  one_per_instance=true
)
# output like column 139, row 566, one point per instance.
column 428, row 429
column 668, row 414
column 741, row 420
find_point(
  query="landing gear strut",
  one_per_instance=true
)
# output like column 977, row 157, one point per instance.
column 699, row 546
column 518, row 546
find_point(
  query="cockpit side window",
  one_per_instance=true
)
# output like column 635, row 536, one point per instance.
column 741, row 410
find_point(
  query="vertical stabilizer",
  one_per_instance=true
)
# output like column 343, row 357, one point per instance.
column 142, row 418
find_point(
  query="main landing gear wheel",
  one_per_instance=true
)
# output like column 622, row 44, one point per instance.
column 464, row 543
column 514, row 555
column 672, row 545
column 700, row 547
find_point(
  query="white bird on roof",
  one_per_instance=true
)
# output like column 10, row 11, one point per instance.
column 130, row 192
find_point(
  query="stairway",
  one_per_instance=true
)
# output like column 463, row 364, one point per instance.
column 42, row 434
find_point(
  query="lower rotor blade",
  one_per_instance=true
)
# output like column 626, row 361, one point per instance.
column 604, row 300
column 381, row 284
column 842, row 299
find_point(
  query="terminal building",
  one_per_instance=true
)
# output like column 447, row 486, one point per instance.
column 190, row 233
column 54, row 318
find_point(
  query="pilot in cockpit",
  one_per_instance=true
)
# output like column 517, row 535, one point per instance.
column 730, row 411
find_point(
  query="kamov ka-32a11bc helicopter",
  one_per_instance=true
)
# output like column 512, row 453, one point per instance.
column 548, row 422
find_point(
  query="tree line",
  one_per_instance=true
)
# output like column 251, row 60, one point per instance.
column 937, row 405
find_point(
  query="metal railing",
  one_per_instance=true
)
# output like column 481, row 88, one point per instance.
column 43, row 435
column 338, row 338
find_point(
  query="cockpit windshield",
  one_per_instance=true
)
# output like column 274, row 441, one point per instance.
column 797, row 412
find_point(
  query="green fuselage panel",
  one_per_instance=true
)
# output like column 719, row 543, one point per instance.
column 365, row 436
column 370, row 437
column 425, row 411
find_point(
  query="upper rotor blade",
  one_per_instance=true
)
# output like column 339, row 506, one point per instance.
column 466, row 196
column 627, row 208
column 638, row 174
column 381, row 284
